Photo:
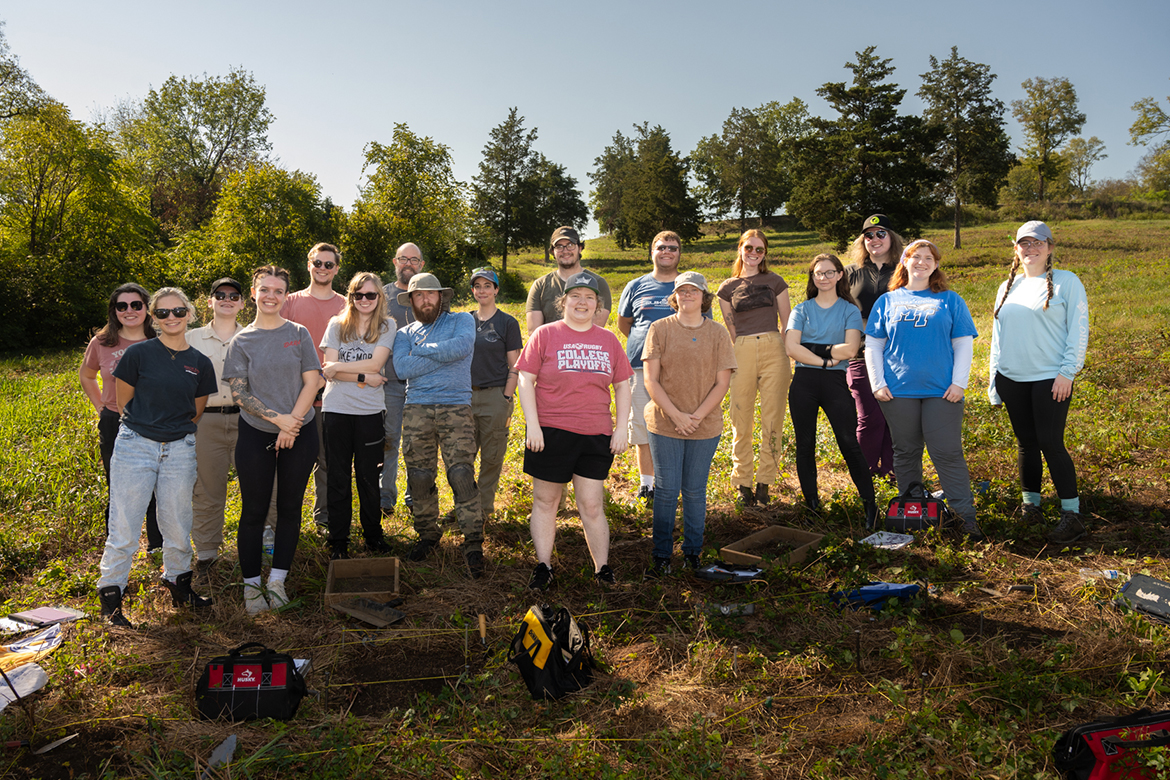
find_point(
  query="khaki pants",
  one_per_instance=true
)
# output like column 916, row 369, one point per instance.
column 763, row 369
column 215, row 451
column 491, row 413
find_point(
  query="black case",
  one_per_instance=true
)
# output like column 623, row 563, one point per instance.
column 259, row 684
column 1108, row 749
column 1146, row 595
column 915, row 510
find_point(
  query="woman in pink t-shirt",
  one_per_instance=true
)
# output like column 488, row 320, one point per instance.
column 566, row 371
column 127, row 322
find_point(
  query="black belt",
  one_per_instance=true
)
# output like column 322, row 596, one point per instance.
column 481, row 387
column 221, row 409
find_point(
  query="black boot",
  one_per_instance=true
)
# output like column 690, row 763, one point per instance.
column 761, row 494
column 746, row 496
column 111, row 599
column 182, row 594
column 871, row 515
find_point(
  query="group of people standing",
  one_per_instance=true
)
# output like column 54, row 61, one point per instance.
column 332, row 384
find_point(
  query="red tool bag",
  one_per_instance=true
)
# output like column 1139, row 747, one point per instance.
column 915, row 510
column 259, row 684
column 1112, row 749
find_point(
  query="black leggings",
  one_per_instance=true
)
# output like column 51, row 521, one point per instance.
column 258, row 462
column 813, row 389
column 354, row 445
column 1038, row 423
column 108, row 424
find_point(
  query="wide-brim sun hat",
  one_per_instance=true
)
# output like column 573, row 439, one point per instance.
column 425, row 282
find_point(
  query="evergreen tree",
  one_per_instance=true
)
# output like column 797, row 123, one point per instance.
column 549, row 198
column 508, row 160
column 737, row 169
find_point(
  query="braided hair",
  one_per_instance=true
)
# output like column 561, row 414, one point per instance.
column 1012, row 279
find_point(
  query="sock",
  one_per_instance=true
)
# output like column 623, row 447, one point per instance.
column 1031, row 498
column 647, row 480
column 253, row 581
column 277, row 575
column 1071, row 504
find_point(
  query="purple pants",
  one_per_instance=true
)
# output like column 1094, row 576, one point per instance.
column 872, row 432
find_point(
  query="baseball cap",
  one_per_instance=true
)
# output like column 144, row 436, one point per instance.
column 1034, row 229
column 227, row 282
column 565, row 232
column 693, row 278
column 876, row 221
column 487, row 272
column 581, row 280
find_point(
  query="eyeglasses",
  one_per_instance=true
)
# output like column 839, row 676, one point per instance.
column 222, row 296
column 687, row 291
column 666, row 248
column 329, row 264
column 408, row 260
column 748, row 249
column 870, row 235
column 825, row 274
column 369, row 296
column 1029, row 244
column 563, row 247
column 123, row 305
column 165, row 314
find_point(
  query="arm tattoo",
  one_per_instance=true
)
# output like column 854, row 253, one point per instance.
column 246, row 401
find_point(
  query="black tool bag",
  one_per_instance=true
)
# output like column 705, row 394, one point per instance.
column 916, row 510
column 552, row 652
column 1146, row 595
column 1112, row 748
column 244, row 686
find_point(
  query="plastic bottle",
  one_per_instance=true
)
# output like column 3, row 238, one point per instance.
column 1100, row 574
column 269, row 540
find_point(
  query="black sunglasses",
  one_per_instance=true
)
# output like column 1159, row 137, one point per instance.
column 164, row 314
column 872, row 234
column 220, row 296
column 123, row 305
column 357, row 296
column 329, row 264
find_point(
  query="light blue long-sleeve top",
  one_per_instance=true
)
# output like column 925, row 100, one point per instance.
column 1030, row 343
column 435, row 359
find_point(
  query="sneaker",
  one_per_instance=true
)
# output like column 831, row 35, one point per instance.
column 746, row 496
column 605, row 576
column 1031, row 514
column 422, row 548
column 379, row 546
column 277, row 597
column 972, row 530
column 254, row 601
column 1068, row 530
column 693, row 564
column 659, row 567
column 475, row 564
column 761, row 494
column 542, row 577
column 646, row 495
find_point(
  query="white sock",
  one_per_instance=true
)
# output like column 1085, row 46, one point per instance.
column 277, row 575
column 253, row 581
column 647, row 480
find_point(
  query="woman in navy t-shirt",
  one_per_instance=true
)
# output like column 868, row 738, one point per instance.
column 918, row 350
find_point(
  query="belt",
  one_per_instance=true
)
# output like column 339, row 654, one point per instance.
column 221, row 410
column 481, row 387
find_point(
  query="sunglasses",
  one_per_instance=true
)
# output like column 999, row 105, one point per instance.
column 165, row 314
column 748, row 249
column 369, row 296
column 329, row 264
column 123, row 305
column 667, row 248
column 222, row 296
column 870, row 235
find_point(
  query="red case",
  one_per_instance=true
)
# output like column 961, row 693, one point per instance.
column 1111, row 749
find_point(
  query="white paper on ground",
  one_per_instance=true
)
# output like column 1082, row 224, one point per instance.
column 26, row 679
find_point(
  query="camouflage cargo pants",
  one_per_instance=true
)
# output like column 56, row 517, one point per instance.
column 427, row 429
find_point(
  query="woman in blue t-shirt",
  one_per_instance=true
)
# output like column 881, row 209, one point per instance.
column 824, row 332
column 918, row 350
column 162, row 387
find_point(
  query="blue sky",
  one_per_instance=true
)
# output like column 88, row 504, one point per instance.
column 340, row 74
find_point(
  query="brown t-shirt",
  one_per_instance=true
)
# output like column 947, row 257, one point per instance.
column 690, row 360
column 753, row 302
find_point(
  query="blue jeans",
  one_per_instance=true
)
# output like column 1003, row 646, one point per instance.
column 392, row 426
column 140, row 468
column 680, row 466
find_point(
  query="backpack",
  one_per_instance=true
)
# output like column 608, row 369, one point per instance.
column 552, row 654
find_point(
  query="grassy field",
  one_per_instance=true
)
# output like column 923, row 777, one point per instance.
column 963, row 683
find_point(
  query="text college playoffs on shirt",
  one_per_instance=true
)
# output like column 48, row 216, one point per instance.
column 585, row 358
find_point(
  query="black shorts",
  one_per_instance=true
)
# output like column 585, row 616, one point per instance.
column 566, row 453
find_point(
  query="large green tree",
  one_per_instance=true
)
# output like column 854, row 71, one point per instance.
column 640, row 189
column 508, row 162
column 870, row 159
column 549, row 198
column 1079, row 156
column 19, row 94
column 1152, row 126
column 737, row 169
column 973, row 150
column 410, row 194
column 1049, row 116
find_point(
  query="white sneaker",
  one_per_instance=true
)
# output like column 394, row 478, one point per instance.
column 254, row 601
column 277, row 598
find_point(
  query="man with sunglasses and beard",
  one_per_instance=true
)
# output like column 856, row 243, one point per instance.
column 313, row 307
column 433, row 354
column 408, row 261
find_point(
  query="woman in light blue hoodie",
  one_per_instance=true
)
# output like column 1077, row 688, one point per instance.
column 1040, row 332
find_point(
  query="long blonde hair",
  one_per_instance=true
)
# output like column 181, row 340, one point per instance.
column 350, row 317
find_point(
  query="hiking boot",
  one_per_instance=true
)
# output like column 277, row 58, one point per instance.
column 474, row 564
column 542, row 577
column 379, row 546
column 254, row 601
column 871, row 514
column 659, row 567
column 693, row 564
column 1031, row 514
column 111, row 601
column 605, row 576
column 646, row 495
column 761, row 494
column 205, row 569
column 339, row 552
column 1068, row 530
column 746, row 496
column 972, row 531
column 182, row 594
column 422, row 548
column 277, row 597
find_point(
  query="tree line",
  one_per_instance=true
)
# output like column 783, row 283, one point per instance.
column 181, row 187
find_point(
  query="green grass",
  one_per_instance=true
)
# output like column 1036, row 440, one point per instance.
column 960, row 684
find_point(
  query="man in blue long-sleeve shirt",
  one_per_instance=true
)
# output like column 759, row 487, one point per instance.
column 433, row 354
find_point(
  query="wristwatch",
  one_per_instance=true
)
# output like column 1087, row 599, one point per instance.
column 361, row 380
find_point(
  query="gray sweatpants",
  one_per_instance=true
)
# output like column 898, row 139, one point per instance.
column 936, row 424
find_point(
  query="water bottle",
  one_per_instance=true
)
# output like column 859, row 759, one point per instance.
column 1104, row 574
column 269, row 540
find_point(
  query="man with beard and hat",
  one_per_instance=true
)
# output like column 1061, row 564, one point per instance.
column 408, row 261
column 433, row 354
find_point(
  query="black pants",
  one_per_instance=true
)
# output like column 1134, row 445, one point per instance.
column 354, row 445
column 258, row 462
column 108, row 424
column 813, row 389
column 1038, row 422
